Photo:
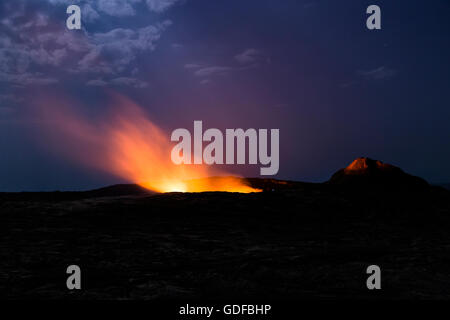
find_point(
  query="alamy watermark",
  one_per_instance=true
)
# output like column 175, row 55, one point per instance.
column 373, row 22
column 235, row 140
column 74, row 280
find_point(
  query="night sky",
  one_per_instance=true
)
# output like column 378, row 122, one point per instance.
column 335, row 89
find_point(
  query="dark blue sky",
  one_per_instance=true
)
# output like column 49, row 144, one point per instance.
column 311, row 68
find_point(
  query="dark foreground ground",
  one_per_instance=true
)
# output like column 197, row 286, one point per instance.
column 298, row 241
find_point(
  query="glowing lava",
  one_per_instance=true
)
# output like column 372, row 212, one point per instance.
column 225, row 184
column 127, row 144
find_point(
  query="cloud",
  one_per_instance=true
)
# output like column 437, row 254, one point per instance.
column 250, row 56
column 211, row 71
column 160, row 5
column 89, row 14
column 141, row 39
column 25, row 79
column 348, row 84
column 43, row 57
column 248, row 59
column 192, row 66
column 132, row 82
column 27, row 49
column 32, row 45
column 73, row 41
column 92, row 62
column 205, row 72
column 65, row 2
column 5, row 41
column 378, row 73
column 117, row 8
column 176, row 45
column 39, row 20
column 14, row 60
column 121, row 81
column 15, row 9
column 96, row 83
column 113, row 51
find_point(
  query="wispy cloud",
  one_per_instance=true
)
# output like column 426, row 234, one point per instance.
column 245, row 60
column 379, row 73
column 212, row 71
column 117, row 8
column 96, row 83
column 250, row 56
column 176, row 45
column 26, row 78
column 89, row 14
column 121, row 81
column 192, row 66
column 160, row 5
column 132, row 82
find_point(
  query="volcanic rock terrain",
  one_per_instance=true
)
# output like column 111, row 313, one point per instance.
column 293, row 240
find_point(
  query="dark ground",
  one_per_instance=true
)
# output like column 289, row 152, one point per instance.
column 298, row 241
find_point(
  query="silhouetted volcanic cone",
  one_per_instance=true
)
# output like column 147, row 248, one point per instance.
column 368, row 172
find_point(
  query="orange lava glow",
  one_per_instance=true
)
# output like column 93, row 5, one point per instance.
column 225, row 184
column 127, row 144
